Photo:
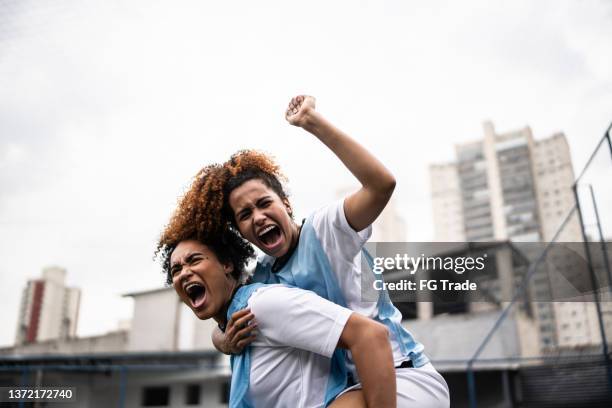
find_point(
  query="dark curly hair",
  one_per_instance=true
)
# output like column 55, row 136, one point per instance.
column 248, row 165
column 198, row 217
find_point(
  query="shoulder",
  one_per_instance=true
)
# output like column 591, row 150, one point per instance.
column 287, row 303
column 327, row 215
column 267, row 298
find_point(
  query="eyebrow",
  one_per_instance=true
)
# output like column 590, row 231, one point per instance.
column 187, row 258
column 243, row 209
column 262, row 198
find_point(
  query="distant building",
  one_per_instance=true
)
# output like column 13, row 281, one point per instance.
column 447, row 203
column 510, row 186
column 505, row 186
column 49, row 310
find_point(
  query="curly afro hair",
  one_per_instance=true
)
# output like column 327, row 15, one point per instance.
column 198, row 217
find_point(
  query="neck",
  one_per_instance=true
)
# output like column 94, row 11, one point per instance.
column 295, row 234
column 282, row 260
column 221, row 316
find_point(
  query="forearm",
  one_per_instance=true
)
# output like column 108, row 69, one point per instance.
column 218, row 338
column 377, row 183
column 370, row 172
column 374, row 362
column 369, row 344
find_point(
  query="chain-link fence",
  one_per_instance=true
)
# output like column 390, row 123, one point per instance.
column 563, row 359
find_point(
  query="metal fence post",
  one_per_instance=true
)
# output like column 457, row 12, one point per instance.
column 122, row 386
column 471, row 385
column 602, row 328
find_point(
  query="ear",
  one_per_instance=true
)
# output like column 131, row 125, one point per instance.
column 228, row 268
column 288, row 207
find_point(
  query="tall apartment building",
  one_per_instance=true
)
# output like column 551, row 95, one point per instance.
column 49, row 310
column 505, row 186
column 510, row 186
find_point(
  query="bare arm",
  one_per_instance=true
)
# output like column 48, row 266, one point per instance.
column 377, row 183
column 238, row 333
column 369, row 344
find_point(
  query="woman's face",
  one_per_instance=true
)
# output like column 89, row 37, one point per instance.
column 263, row 218
column 201, row 281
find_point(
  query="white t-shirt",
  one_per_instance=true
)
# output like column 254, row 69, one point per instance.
column 343, row 245
column 291, row 355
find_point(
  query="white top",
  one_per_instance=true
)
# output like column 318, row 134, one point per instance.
column 343, row 245
column 291, row 355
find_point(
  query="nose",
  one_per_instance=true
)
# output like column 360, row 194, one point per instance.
column 184, row 274
column 259, row 218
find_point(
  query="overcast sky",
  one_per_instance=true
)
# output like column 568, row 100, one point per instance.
column 108, row 108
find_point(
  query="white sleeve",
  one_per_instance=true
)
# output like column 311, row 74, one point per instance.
column 336, row 234
column 293, row 317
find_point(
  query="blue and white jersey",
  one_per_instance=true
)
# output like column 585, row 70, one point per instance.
column 327, row 261
column 290, row 363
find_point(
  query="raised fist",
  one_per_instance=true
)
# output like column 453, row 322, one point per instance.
column 299, row 108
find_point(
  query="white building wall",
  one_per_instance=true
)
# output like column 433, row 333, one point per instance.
column 447, row 204
column 155, row 324
column 25, row 311
column 554, row 176
column 51, row 311
column 494, row 182
column 72, row 300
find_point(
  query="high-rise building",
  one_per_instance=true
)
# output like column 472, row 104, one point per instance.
column 508, row 186
column 49, row 310
column 505, row 186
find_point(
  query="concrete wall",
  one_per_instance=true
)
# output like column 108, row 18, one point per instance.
column 155, row 321
column 108, row 343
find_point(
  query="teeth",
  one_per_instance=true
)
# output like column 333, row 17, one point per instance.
column 263, row 231
column 190, row 285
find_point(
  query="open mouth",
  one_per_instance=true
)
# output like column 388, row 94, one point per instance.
column 270, row 236
column 196, row 293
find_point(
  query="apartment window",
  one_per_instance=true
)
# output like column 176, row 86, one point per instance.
column 155, row 396
column 192, row 394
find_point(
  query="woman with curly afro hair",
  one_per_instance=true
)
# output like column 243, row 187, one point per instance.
column 322, row 254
